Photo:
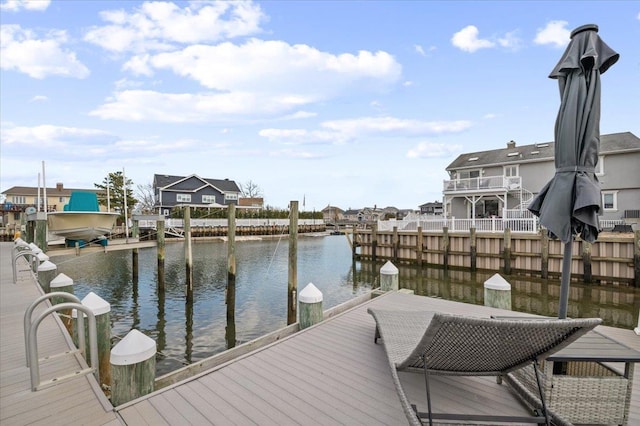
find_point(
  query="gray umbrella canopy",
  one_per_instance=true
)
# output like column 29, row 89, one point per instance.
column 570, row 203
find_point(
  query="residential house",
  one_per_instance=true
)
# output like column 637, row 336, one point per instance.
column 251, row 202
column 331, row 214
column 503, row 181
column 19, row 198
column 353, row 215
column 433, row 209
column 172, row 191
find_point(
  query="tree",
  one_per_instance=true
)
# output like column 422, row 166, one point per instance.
column 146, row 198
column 250, row 189
column 114, row 181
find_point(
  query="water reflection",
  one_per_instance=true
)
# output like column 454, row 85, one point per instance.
column 187, row 332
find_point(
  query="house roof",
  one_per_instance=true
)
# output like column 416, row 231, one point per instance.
column 543, row 151
column 224, row 185
column 51, row 192
column 431, row 204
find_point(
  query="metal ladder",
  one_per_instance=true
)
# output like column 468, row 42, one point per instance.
column 31, row 339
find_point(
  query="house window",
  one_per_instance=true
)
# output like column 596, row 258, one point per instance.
column 166, row 212
column 19, row 199
column 610, row 200
column 511, row 170
column 230, row 196
column 208, row 199
column 183, row 198
column 466, row 174
column 61, row 199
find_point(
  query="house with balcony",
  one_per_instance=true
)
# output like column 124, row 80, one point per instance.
column 19, row 198
column 194, row 191
column 431, row 209
column 502, row 182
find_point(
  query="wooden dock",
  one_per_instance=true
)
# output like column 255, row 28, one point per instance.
column 77, row 401
column 331, row 373
column 328, row 374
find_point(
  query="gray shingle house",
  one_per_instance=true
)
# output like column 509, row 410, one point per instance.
column 501, row 182
column 171, row 191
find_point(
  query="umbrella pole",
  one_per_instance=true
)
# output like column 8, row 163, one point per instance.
column 565, row 280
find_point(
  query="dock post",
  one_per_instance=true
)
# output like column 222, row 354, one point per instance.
column 636, row 260
column 292, row 286
column 310, row 299
column 586, row 262
column 473, row 250
column 65, row 284
column 395, row 243
column 230, row 299
column 507, row 251
column 40, row 237
column 47, row 271
column 188, row 254
column 374, row 242
column 419, row 246
column 102, row 311
column 161, row 252
column 445, row 246
column 389, row 277
column 133, row 367
column 497, row 292
column 544, row 242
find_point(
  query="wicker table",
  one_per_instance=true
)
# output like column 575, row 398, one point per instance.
column 580, row 384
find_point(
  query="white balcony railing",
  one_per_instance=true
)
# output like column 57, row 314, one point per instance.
column 482, row 183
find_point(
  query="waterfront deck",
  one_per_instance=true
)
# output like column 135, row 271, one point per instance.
column 329, row 374
column 77, row 401
column 332, row 373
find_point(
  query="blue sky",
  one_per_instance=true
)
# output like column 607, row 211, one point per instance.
column 345, row 103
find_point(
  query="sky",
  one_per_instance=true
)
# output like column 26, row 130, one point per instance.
column 345, row 103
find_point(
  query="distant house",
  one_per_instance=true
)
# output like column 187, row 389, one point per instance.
column 19, row 198
column 252, row 202
column 352, row 215
column 490, row 183
column 332, row 214
column 435, row 208
column 172, row 191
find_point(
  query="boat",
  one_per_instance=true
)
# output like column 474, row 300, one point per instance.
column 81, row 219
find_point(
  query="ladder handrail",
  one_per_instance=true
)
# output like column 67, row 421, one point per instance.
column 34, row 263
column 28, row 314
column 93, row 339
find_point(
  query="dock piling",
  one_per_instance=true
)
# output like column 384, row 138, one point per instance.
column 497, row 292
column 310, row 299
column 389, row 277
column 47, row 271
column 133, row 367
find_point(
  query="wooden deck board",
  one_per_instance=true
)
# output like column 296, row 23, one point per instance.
column 74, row 401
column 333, row 373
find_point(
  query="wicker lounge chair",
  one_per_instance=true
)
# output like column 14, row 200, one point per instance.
column 446, row 344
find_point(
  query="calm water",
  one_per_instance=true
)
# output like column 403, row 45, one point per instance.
column 186, row 333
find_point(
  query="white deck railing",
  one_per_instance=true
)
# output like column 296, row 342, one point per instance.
column 480, row 183
column 496, row 224
column 208, row 223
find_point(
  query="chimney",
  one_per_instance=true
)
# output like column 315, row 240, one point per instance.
column 59, row 186
column 511, row 144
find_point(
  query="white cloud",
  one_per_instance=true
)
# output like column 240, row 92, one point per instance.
column 277, row 66
column 510, row 41
column 555, row 33
column 21, row 50
column 17, row 5
column 159, row 26
column 467, row 39
column 39, row 98
column 148, row 105
column 419, row 50
column 343, row 131
column 384, row 125
column 433, row 150
column 490, row 116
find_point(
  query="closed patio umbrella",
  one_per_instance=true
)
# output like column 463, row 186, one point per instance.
column 570, row 202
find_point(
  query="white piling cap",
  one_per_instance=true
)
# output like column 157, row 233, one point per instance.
column 35, row 248
column 42, row 257
column 389, row 269
column 310, row 294
column 61, row 280
column 496, row 282
column 134, row 348
column 95, row 303
column 47, row 266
